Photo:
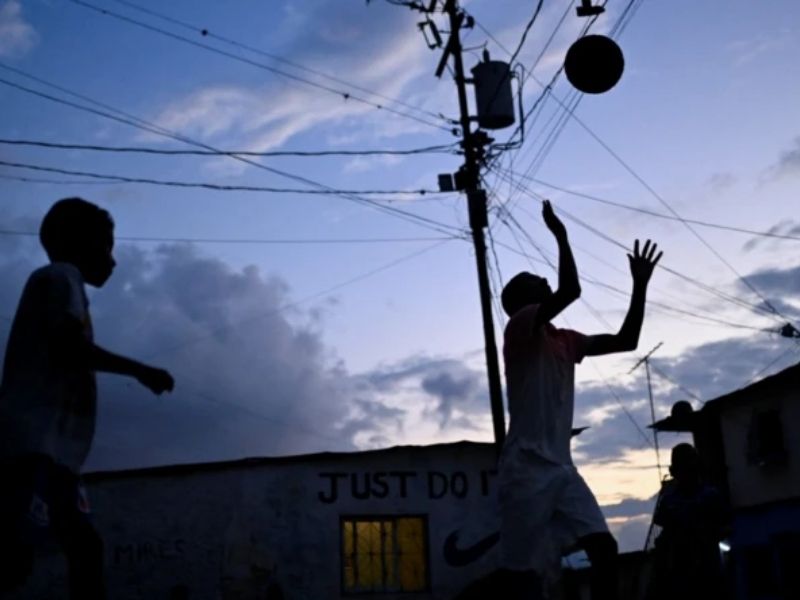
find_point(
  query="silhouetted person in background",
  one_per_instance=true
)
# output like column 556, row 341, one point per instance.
column 48, row 400
column 693, row 519
column 546, row 507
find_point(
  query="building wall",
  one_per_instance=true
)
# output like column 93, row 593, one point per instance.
column 751, row 483
column 232, row 532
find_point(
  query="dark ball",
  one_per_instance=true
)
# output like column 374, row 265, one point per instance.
column 594, row 64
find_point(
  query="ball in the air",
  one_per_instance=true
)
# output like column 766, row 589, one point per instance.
column 594, row 64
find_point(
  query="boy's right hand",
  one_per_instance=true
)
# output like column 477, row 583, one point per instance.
column 156, row 380
column 553, row 223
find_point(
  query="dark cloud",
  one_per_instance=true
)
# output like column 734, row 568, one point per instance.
column 784, row 227
column 721, row 182
column 699, row 373
column 776, row 281
column 454, row 386
column 632, row 534
column 630, row 507
column 253, row 376
column 788, row 163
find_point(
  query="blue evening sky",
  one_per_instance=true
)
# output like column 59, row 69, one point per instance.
column 705, row 116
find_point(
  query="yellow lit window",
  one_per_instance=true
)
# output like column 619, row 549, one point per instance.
column 384, row 554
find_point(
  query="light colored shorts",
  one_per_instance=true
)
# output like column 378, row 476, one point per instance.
column 545, row 508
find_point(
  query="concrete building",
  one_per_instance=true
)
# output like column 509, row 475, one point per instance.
column 749, row 444
column 395, row 523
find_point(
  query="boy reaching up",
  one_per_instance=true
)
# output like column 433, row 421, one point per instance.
column 545, row 504
column 48, row 400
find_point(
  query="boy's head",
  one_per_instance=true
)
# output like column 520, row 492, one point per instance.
column 524, row 289
column 685, row 463
column 81, row 233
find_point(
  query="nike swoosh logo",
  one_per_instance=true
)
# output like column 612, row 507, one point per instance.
column 459, row 557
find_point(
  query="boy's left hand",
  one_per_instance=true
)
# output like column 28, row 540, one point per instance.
column 642, row 263
column 156, row 380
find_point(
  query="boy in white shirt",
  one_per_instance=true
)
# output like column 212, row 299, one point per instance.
column 545, row 504
column 48, row 400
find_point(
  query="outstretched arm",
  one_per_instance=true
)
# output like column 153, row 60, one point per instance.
column 627, row 338
column 569, row 287
column 75, row 350
column 155, row 379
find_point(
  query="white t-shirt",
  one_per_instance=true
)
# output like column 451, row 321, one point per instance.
column 46, row 406
column 540, row 378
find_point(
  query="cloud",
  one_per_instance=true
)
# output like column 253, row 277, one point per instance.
column 631, row 533
column 784, row 227
column 630, row 507
column 458, row 393
column 253, row 376
column 17, row 36
column 376, row 54
column 747, row 51
column 721, row 182
column 787, row 165
column 705, row 371
column 776, row 282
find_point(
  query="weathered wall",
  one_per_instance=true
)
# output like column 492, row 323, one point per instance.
column 750, row 484
column 231, row 532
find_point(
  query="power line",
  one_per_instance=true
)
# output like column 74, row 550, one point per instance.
column 344, row 94
column 781, row 356
column 525, row 32
column 630, row 11
column 296, row 303
column 205, row 32
column 201, row 393
column 57, row 181
column 654, row 303
column 288, row 241
column 215, row 186
column 553, row 79
column 589, row 307
column 653, row 213
column 658, row 197
column 695, row 282
column 146, row 126
column 444, row 149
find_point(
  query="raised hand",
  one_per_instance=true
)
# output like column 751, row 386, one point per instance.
column 156, row 380
column 553, row 223
column 642, row 263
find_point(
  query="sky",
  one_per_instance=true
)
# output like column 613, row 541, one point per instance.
column 299, row 322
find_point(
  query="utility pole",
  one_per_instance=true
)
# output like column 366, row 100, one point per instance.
column 594, row 68
column 646, row 361
column 473, row 143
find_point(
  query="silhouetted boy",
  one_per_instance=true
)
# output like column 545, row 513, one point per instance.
column 545, row 505
column 692, row 516
column 48, row 400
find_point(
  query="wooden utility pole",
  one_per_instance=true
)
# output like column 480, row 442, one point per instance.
column 473, row 143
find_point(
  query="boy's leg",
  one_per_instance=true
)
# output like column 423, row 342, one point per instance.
column 18, row 527
column 16, row 559
column 78, row 538
column 518, row 585
column 529, row 489
column 601, row 548
column 579, row 513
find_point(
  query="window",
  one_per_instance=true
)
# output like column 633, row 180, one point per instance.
column 384, row 554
